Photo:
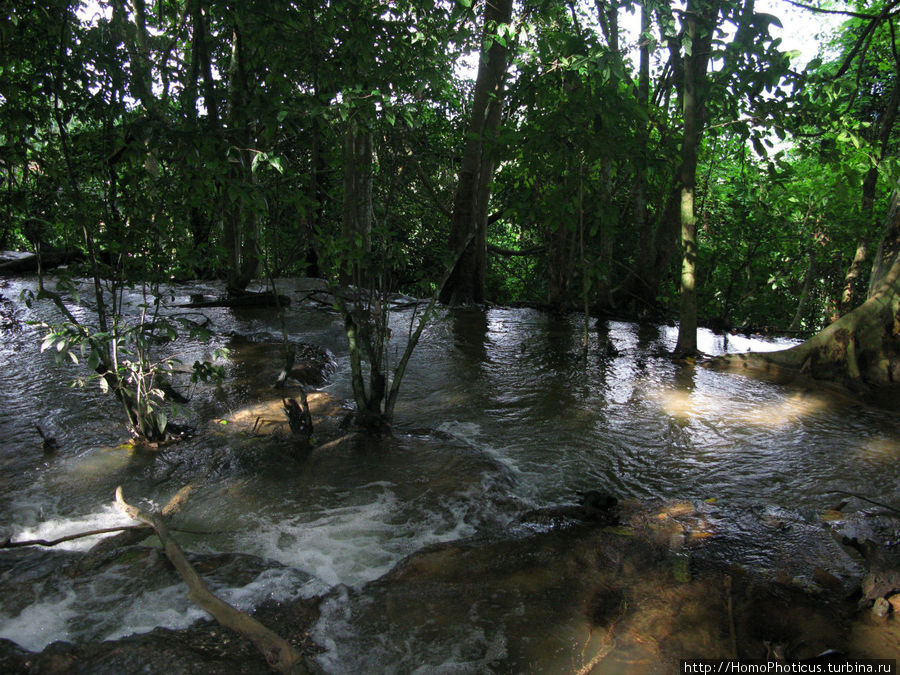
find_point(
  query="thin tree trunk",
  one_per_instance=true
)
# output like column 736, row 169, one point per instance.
column 884, row 255
column 808, row 278
column 641, row 221
column 241, row 222
column 852, row 292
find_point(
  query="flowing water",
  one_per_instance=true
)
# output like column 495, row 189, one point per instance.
column 500, row 413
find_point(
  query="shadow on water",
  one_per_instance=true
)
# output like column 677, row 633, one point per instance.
column 419, row 540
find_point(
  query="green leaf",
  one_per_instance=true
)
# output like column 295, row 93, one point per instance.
column 759, row 147
column 161, row 420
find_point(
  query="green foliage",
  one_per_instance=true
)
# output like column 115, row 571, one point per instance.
column 122, row 360
column 231, row 160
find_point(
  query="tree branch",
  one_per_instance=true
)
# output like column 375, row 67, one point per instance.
column 79, row 535
column 509, row 252
column 840, row 12
column 279, row 654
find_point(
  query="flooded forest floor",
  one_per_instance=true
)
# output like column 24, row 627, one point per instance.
column 488, row 534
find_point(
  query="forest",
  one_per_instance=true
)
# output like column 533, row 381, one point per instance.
column 687, row 168
column 579, row 173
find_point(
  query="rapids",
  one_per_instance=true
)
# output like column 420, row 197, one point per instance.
column 500, row 413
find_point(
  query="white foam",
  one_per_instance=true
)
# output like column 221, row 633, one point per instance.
column 167, row 606
column 355, row 544
column 468, row 432
column 107, row 516
column 340, row 545
column 39, row 624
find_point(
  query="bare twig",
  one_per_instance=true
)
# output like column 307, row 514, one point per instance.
column 840, row 12
column 78, row 535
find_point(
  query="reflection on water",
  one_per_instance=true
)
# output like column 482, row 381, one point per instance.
column 501, row 411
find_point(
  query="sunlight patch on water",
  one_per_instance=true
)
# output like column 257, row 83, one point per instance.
column 880, row 449
column 686, row 405
column 99, row 464
column 782, row 412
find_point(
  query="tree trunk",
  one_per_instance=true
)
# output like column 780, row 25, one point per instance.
column 559, row 266
column 356, row 221
column 241, row 221
column 695, row 60
column 641, row 221
column 201, row 220
column 852, row 294
column 470, row 207
column 656, row 241
column 808, row 277
column 687, row 327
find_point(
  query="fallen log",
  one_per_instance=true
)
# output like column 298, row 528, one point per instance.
column 279, row 654
column 17, row 262
column 244, row 300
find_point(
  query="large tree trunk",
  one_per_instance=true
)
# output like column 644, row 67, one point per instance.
column 241, row 219
column 695, row 60
column 860, row 350
column 470, row 207
column 853, row 292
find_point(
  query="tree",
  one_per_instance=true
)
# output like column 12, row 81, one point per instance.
column 699, row 23
column 470, row 205
column 861, row 350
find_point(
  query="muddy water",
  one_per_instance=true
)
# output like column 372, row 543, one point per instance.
column 501, row 413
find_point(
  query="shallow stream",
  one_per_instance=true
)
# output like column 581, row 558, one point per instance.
column 500, row 413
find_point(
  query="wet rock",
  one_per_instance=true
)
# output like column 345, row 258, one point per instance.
column 881, row 582
column 596, row 508
column 617, row 599
column 894, row 602
column 881, row 608
column 259, row 359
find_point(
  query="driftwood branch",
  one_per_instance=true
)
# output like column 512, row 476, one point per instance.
column 871, row 501
column 279, row 654
column 79, row 535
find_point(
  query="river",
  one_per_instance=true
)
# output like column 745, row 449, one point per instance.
column 500, row 413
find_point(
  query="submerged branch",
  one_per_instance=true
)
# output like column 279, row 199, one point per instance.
column 866, row 499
